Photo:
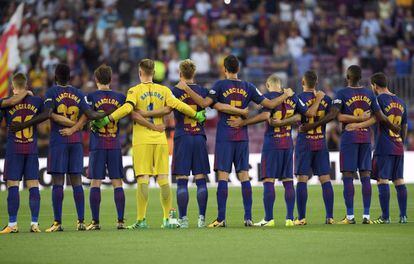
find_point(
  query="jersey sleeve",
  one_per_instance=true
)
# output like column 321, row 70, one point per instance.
column 257, row 96
column 89, row 100
column 122, row 99
column 174, row 103
column 404, row 116
column 128, row 106
column 83, row 104
column 49, row 100
column 214, row 92
column 338, row 102
column 328, row 101
column 301, row 107
column 374, row 103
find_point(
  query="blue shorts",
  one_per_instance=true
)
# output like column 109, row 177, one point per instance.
column 65, row 158
column 190, row 155
column 310, row 163
column 229, row 153
column 277, row 164
column 104, row 162
column 355, row 157
column 390, row 167
column 17, row 165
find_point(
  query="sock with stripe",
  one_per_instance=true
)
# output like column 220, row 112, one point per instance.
column 13, row 203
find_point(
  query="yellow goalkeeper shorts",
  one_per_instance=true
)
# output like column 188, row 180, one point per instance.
column 150, row 159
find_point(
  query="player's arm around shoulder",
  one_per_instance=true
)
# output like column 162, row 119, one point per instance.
column 128, row 106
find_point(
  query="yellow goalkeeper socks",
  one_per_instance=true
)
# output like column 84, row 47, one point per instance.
column 142, row 198
column 165, row 196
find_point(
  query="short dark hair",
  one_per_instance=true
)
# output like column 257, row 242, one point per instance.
column 354, row 73
column 103, row 74
column 310, row 78
column 379, row 79
column 62, row 74
column 231, row 64
column 19, row 80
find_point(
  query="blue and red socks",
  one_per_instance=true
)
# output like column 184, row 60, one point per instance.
column 349, row 192
column 268, row 199
column 402, row 199
column 366, row 194
column 328, row 198
column 384, row 199
column 95, row 202
column 57, row 200
column 79, row 198
column 247, row 199
column 222, row 193
column 119, row 198
column 289, row 198
column 202, row 196
column 182, row 197
column 302, row 198
column 13, row 203
column 34, row 204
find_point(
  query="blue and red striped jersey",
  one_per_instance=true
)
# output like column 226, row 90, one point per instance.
column 24, row 141
column 106, row 137
column 67, row 101
column 238, row 94
column 281, row 137
column 185, row 125
column 355, row 101
column 386, row 141
column 314, row 140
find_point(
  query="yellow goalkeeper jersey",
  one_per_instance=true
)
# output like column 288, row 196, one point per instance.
column 147, row 97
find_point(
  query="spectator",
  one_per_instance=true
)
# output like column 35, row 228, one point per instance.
column 165, row 39
column 27, row 43
column 136, row 37
column 124, row 67
column 366, row 43
column 198, row 39
column 350, row 59
column 280, row 62
column 304, row 19
column 378, row 63
column 109, row 17
column 295, row 44
column 304, row 62
column 372, row 23
column 255, row 62
column 201, row 59
column 183, row 46
column 202, row 7
column 285, row 11
column 173, row 68
column 120, row 33
column 386, row 9
column 403, row 65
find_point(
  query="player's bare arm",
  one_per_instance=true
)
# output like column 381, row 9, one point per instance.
column 93, row 115
column 312, row 111
column 76, row 127
column 270, row 104
column 404, row 131
column 46, row 114
column 200, row 101
column 144, row 122
column 348, row 119
column 15, row 99
column 293, row 120
column 62, row 120
column 354, row 126
column 239, row 122
column 333, row 113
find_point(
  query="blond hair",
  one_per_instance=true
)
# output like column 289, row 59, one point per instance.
column 147, row 66
column 274, row 80
column 187, row 68
column 19, row 80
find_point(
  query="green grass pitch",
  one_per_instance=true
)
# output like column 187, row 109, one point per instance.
column 314, row 243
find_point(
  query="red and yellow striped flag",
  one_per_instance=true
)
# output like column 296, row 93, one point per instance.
column 9, row 52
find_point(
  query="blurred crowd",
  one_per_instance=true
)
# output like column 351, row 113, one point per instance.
column 284, row 37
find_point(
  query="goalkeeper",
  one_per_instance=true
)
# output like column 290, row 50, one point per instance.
column 150, row 149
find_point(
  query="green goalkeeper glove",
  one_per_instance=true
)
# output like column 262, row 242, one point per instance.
column 98, row 124
column 200, row 116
